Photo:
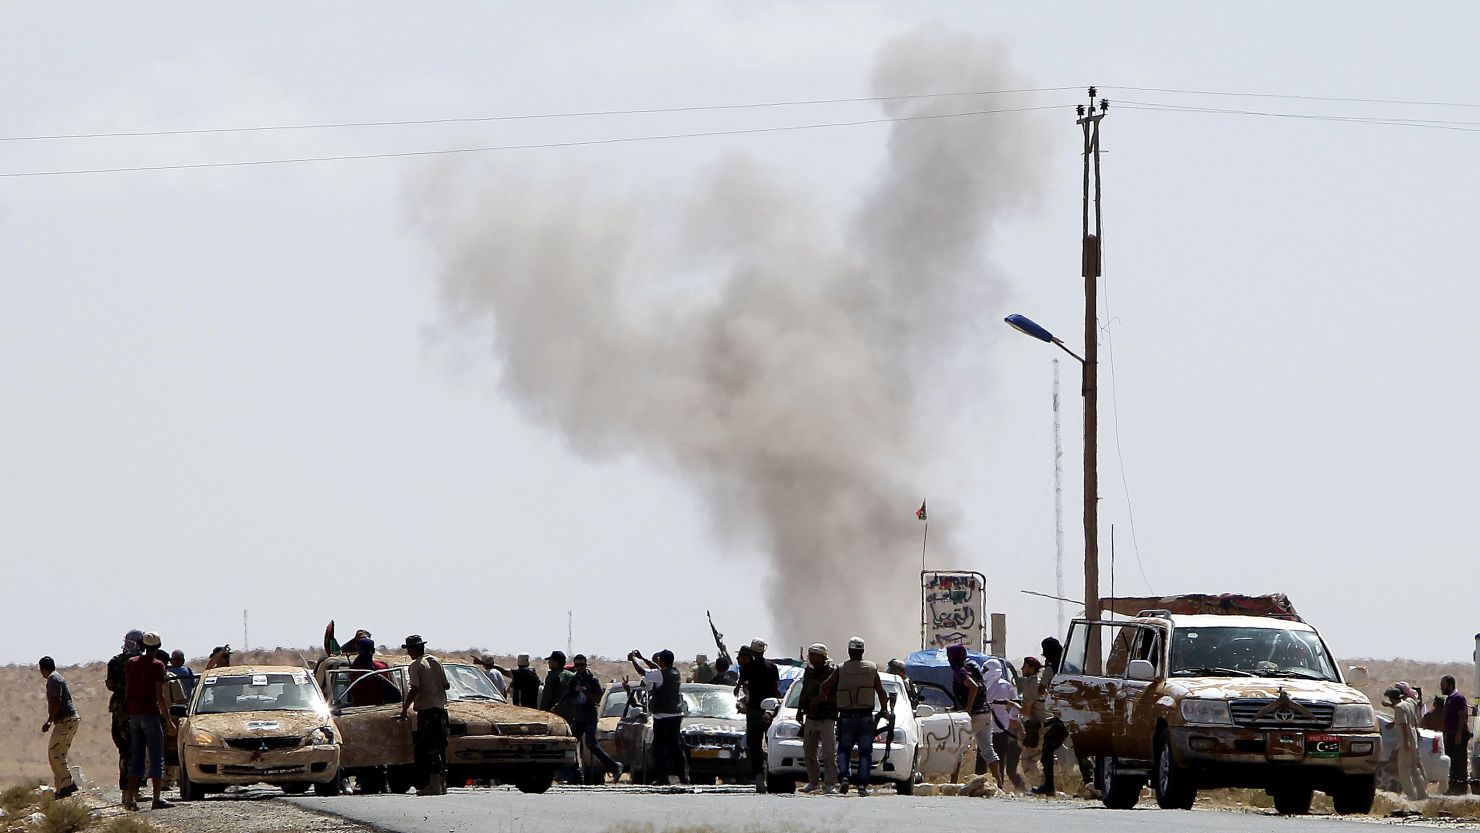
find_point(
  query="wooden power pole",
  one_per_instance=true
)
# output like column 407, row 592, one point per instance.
column 1089, row 121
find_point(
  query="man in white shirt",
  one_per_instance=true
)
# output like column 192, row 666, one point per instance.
column 1001, row 698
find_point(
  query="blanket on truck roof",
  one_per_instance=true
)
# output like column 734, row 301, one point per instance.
column 1225, row 604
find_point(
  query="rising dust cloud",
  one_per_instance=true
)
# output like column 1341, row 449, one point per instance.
column 765, row 347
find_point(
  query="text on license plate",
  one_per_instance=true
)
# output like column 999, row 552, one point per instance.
column 1323, row 746
column 710, row 753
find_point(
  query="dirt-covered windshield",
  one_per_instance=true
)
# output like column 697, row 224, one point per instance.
column 1250, row 652
column 714, row 702
column 258, row 692
column 469, row 682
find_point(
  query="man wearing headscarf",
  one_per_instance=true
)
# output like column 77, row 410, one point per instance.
column 1001, row 700
column 971, row 692
column 370, row 692
column 1055, row 733
column 133, row 643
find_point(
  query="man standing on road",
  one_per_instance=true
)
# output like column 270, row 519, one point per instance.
column 1456, row 736
column 1034, row 713
column 1001, row 697
column 117, row 707
column 146, row 697
column 62, row 722
column 524, row 684
column 581, row 699
column 966, row 684
column 761, row 681
column 1406, row 763
column 858, row 690
column 557, row 680
column 819, row 718
column 664, row 686
column 427, row 690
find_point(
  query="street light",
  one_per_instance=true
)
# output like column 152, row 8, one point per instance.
column 1029, row 327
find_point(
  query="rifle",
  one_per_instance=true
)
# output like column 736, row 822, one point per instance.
column 889, row 721
column 719, row 638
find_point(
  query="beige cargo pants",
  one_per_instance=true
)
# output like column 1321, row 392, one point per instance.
column 820, row 737
column 1410, row 774
column 62, row 734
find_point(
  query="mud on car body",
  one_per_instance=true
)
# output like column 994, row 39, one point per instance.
column 257, row 724
column 713, row 733
column 488, row 738
column 1205, row 701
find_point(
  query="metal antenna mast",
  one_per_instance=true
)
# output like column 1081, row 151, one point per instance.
column 1058, row 501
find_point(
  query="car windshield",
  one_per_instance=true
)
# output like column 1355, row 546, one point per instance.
column 1250, row 652
column 469, row 682
column 794, row 694
column 616, row 703
column 713, row 702
column 289, row 692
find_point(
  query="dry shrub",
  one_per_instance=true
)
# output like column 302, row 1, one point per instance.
column 65, row 816
column 1454, row 807
column 17, row 798
column 129, row 824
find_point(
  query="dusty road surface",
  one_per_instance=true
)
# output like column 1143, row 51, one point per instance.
column 596, row 810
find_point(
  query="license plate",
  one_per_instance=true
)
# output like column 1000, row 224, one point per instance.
column 1323, row 746
column 1286, row 746
column 709, row 753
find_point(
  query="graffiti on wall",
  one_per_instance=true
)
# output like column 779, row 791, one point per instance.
column 954, row 610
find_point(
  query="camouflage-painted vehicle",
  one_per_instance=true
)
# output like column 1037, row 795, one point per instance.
column 255, row 724
column 489, row 739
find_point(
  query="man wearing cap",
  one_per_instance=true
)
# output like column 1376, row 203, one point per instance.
column 147, row 699
column 557, row 680
column 665, row 704
column 117, row 708
column 703, row 671
column 819, row 719
column 427, row 691
column 859, row 693
column 580, row 709
column 761, row 681
column 489, row 664
column 1034, row 713
column 1405, row 758
column 524, row 683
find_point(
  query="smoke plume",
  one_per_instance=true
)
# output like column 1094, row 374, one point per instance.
column 733, row 328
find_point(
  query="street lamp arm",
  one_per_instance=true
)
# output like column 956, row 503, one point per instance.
column 1061, row 346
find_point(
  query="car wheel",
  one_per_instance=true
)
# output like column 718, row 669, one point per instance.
column 536, row 781
column 332, row 787
column 189, row 790
column 399, row 778
column 1355, row 795
column 905, row 787
column 1175, row 789
column 1292, row 799
column 781, row 784
column 1117, row 791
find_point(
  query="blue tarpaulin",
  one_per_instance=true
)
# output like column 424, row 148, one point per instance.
column 930, row 666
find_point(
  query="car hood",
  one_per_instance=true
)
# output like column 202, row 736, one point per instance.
column 714, row 725
column 259, row 724
column 1262, row 688
column 486, row 711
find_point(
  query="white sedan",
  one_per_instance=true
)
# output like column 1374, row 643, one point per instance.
column 926, row 740
column 1430, row 751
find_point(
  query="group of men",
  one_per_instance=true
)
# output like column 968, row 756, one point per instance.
column 1449, row 716
column 144, row 682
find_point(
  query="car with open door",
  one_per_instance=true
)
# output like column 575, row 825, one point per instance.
column 1201, row 701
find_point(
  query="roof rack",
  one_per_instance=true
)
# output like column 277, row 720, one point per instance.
column 1157, row 613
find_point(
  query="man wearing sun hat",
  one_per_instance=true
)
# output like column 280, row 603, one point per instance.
column 427, row 691
column 761, row 681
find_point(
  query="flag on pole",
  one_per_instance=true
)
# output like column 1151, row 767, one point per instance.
column 921, row 514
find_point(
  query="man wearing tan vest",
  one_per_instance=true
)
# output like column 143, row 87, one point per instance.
column 859, row 693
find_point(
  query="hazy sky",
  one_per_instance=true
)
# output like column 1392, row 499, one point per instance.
column 235, row 388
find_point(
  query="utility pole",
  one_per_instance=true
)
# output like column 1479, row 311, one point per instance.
column 1089, row 121
column 244, row 630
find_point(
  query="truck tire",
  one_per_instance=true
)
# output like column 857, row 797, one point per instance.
column 1117, row 791
column 1175, row 789
column 905, row 787
column 1292, row 799
column 535, row 781
column 332, row 787
column 1354, row 795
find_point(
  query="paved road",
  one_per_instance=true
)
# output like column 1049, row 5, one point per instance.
column 596, row 810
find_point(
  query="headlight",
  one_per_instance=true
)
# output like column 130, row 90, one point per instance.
column 1355, row 716
column 788, row 729
column 320, row 737
column 1202, row 712
column 201, row 737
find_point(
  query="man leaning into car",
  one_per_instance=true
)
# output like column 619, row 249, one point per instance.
column 427, row 691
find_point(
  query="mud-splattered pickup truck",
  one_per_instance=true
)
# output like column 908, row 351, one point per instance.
column 1193, row 702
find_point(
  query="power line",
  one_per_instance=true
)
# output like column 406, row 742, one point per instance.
column 539, row 146
column 524, row 116
column 1296, row 97
column 1460, row 126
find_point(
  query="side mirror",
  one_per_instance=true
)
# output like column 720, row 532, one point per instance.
column 924, row 710
column 179, row 711
column 770, row 704
column 1357, row 675
column 1141, row 670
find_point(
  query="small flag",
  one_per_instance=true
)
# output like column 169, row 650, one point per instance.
column 921, row 514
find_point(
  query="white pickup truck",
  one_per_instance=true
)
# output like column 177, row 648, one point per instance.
column 925, row 741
